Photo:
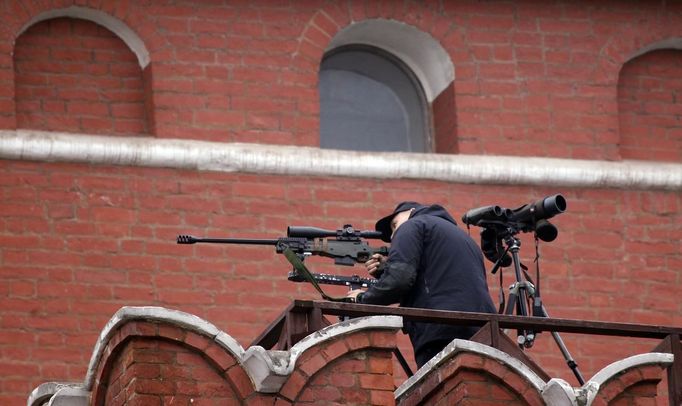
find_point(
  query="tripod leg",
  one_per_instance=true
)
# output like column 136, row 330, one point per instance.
column 564, row 351
column 511, row 304
column 526, row 338
column 514, row 303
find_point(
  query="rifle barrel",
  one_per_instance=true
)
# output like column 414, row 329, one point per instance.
column 188, row 239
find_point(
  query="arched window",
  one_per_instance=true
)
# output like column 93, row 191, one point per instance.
column 371, row 101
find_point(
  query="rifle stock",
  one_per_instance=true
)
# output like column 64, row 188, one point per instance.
column 353, row 282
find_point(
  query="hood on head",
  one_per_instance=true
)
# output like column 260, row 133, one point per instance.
column 384, row 224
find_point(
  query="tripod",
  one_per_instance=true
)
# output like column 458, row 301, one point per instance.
column 520, row 293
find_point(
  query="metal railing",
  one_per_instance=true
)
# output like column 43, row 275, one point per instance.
column 302, row 317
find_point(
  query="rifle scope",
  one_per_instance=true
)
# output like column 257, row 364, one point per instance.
column 314, row 232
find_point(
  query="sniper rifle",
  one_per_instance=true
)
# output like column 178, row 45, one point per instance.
column 347, row 248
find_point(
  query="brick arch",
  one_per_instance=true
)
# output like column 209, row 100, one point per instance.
column 75, row 75
column 627, row 380
column 631, row 386
column 137, row 35
column 425, row 57
column 116, row 26
column 328, row 22
column 628, row 43
column 192, row 362
column 358, row 366
column 649, row 89
column 475, row 378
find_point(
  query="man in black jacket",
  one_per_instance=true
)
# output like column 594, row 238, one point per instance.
column 431, row 264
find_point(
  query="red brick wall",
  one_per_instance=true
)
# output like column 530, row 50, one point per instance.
column 149, row 363
column 353, row 369
column 74, row 75
column 79, row 241
column 153, row 372
column 445, row 123
column 649, row 93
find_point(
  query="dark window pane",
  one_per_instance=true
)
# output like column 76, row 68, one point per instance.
column 370, row 102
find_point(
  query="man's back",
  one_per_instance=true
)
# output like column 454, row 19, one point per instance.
column 431, row 264
column 450, row 274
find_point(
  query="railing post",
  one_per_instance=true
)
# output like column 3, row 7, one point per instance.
column 298, row 323
column 675, row 371
column 494, row 333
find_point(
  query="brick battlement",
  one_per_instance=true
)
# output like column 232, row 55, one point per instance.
column 154, row 356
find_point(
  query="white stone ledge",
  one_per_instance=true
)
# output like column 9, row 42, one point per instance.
column 308, row 161
column 45, row 393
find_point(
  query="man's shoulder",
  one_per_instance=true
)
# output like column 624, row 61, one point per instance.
column 431, row 219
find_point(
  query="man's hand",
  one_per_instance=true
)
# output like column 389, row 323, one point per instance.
column 374, row 265
column 354, row 294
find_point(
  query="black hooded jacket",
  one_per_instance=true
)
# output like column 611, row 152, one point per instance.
column 433, row 264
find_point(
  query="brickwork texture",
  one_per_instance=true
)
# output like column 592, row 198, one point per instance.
column 562, row 79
